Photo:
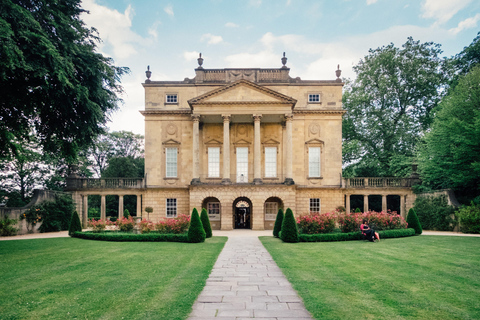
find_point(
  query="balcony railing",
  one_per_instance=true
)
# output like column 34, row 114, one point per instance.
column 104, row 183
column 386, row 182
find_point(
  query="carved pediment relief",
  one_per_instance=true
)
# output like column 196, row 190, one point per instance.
column 242, row 92
column 314, row 142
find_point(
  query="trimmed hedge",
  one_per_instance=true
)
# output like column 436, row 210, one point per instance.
column 289, row 228
column 278, row 223
column 196, row 233
column 206, row 223
column 413, row 222
column 131, row 237
column 329, row 237
column 75, row 224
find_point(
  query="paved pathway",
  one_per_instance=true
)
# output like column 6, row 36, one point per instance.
column 246, row 283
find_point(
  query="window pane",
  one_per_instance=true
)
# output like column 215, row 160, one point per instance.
column 314, row 98
column 315, row 205
column 213, row 209
column 314, row 162
column 214, row 162
column 270, row 162
column 242, row 164
column 171, row 162
column 171, row 208
column 271, row 210
column 171, row 98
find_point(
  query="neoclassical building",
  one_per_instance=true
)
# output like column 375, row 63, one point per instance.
column 243, row 143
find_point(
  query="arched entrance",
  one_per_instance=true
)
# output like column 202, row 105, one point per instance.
column 242, row 209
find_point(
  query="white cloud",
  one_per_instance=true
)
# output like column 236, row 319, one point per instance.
column 190, row 55
column 231, row 25
column 114, row 29
column 466, row 24
column 442, row 10
column 211, row 39
column 255, row 3
column 369, row 2
column 153, row 29
column 169, row 10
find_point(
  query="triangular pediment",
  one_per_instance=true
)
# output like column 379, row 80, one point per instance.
column 242, row 92
column 271, row 141
column 213, row 142
column 241, row 142
column 314, row 141
column 171, row 142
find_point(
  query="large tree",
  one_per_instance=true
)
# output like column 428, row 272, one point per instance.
column 52, row 82
column 388, row 105
column 450, row 156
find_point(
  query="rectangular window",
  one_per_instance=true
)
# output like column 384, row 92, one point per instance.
column 270, row 162
column 242, row 164
column 171, row 162
column 314, row 162
column 315, row 205
column 213, row 209
column 172, row 98
column 314, row 97
column 171, row 208
column 214, row 162
column 271, row 210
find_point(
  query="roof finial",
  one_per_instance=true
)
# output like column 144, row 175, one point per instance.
column 200, row 61
column 148, row 73
column 338, row 72
column 284, row 61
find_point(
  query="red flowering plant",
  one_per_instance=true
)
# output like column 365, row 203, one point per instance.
column 315, row 222
column 350, row 222
column 146, row 226
column 99, row 225
column 125, row 224
column 173, row 225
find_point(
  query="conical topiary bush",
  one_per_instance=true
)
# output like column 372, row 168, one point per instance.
column 289, row 228
column 413, row 222
column 206, row 223
column 278, row 223
column 75, row 224
column 195, row 231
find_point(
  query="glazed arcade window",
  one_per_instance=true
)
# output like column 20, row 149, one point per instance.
column 271, row 209
column 171, row 98
column 270, row 162
column 314, row 98
column 213, row 209
column 171, row 208
column 213, row 162
column 315, row 205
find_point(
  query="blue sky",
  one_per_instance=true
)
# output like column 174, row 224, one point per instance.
column 315, row 34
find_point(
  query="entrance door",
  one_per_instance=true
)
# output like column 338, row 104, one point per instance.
column 242, row 218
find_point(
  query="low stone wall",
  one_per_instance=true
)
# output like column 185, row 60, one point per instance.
column 39, row 196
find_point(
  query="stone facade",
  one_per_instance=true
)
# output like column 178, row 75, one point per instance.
column 238, row 142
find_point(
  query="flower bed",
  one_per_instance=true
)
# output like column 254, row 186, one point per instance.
column 314, row 223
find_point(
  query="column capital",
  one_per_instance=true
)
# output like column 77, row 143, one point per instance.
column 289, row 116
column 257, row 117
column 226, row 117
column 196, row 117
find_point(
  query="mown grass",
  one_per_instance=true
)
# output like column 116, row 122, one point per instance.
column 67, row 278
column 424, row 277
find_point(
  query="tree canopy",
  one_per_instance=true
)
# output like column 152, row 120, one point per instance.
column 388, row 106
column 52, row 82
column 450, row 155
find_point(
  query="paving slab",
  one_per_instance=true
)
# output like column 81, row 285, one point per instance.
column 245, row 283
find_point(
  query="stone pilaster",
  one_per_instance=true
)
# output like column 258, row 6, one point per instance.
column 257, row 155
column 85, row 211
column 196, row 149
column 120, row 206
column 347, row 203
column 226, row 149
column 365, row 203
column 289, row 162
column 103, row 208
column 384, row 203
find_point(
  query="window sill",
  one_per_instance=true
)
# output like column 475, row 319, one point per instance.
column 315, row 178
column 170, row 178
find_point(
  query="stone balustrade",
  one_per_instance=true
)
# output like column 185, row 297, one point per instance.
column 382, row 182
column 104, row 183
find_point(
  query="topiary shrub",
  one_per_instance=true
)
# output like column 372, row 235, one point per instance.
column 413, row 222
column 289, row 228
column 358, row 210
column 469, row 218
column 434, row 213
column 126, row 213
column 195, row 231
column 75, row 224
column 278, row 223
column 206, row 223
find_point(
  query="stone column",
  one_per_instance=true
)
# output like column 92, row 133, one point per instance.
column 402, row 206
column 257, row 152
column 226, row 150
column 196, row 150
column 365, row 203
column 139, row 205
column 289, row 127
column 384, row 203
column 85, row 211
column 120, row 206
column 347, row 203
column 103, row 208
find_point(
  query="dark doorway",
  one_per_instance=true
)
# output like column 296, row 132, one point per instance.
column 393, row 203
column 242, row 213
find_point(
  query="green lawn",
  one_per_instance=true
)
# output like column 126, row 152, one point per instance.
column 425, row 277
column 67, row 278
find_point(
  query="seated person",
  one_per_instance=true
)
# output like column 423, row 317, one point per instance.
column 368, row 233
